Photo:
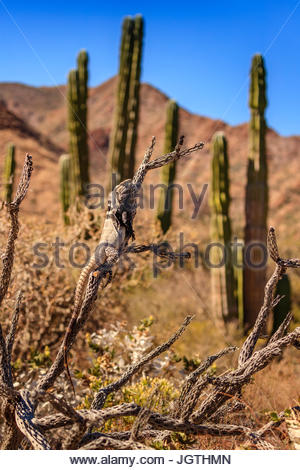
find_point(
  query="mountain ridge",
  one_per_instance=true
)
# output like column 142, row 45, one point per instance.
column 43, row 110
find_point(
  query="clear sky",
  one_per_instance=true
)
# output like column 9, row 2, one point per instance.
column 197, row 52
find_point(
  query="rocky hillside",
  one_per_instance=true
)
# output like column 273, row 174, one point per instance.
column 34, row 118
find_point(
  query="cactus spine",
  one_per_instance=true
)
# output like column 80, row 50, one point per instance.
column 123, row 140
column 281, row 310
column 9, row 173
column 256, row 202
column 77, row 125
column 168, row 172
column 222, row 275
column 65, row 185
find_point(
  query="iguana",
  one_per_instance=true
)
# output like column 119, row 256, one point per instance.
column 116, row 233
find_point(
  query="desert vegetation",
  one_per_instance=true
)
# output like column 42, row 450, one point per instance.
column 125, row 337
column 200, row 403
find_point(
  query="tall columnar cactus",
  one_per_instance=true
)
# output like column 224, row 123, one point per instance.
column 77, row 125
column 168, row 172
column 133, row 103
column 65, row 185
column 9, row 173
column 238, row 268
column 224, row 293
column 256, row 202
column 74, row 132
column 123, row 137
column 82, row 67
column 281, row 310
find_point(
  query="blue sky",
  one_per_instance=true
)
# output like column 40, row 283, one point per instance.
column 197, row 52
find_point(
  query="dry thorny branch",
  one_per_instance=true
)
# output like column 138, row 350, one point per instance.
column 204, row 400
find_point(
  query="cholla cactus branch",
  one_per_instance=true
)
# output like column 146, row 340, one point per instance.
column 173, row 156
column 4, row 364
column 13, row 210
column 24, row 418
column 7, row 392
column 158, row 250
column 142, row 170
column 283, row 328
column 102, row 394
column 115, row 236
column 13, row 326
column 192, row 379
column 106, row 442
column 126, row 435
column 218, row 396
column 227, row 410
column 281, row 266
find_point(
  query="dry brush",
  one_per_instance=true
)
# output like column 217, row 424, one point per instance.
column 204, row 400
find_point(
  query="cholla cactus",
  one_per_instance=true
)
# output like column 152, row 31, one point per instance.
column 280, row 311
column 256, row 203
column 9, row 173
column 168, row 172
column 65, row 180
column 222, row 277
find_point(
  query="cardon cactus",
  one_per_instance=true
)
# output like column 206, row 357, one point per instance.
column 224, row 292
column 124, row 132
column 9, row 173
column 256, row 201
column 65, row 185
column 281, row 310
column 133, row 102
column 77, row 125
column 82, row 67
column 168, row 172
column 238, row 268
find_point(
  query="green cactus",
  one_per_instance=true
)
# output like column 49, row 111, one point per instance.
column 168, row 172
column 124, row 133
column 224, row 299
column 9, row 173
column 82, row 67
column 238, row 275
column 77, row 125
column 256, row 201
column 281, row 310
column 133, row 102
column 65, row 185
column 119, row 134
